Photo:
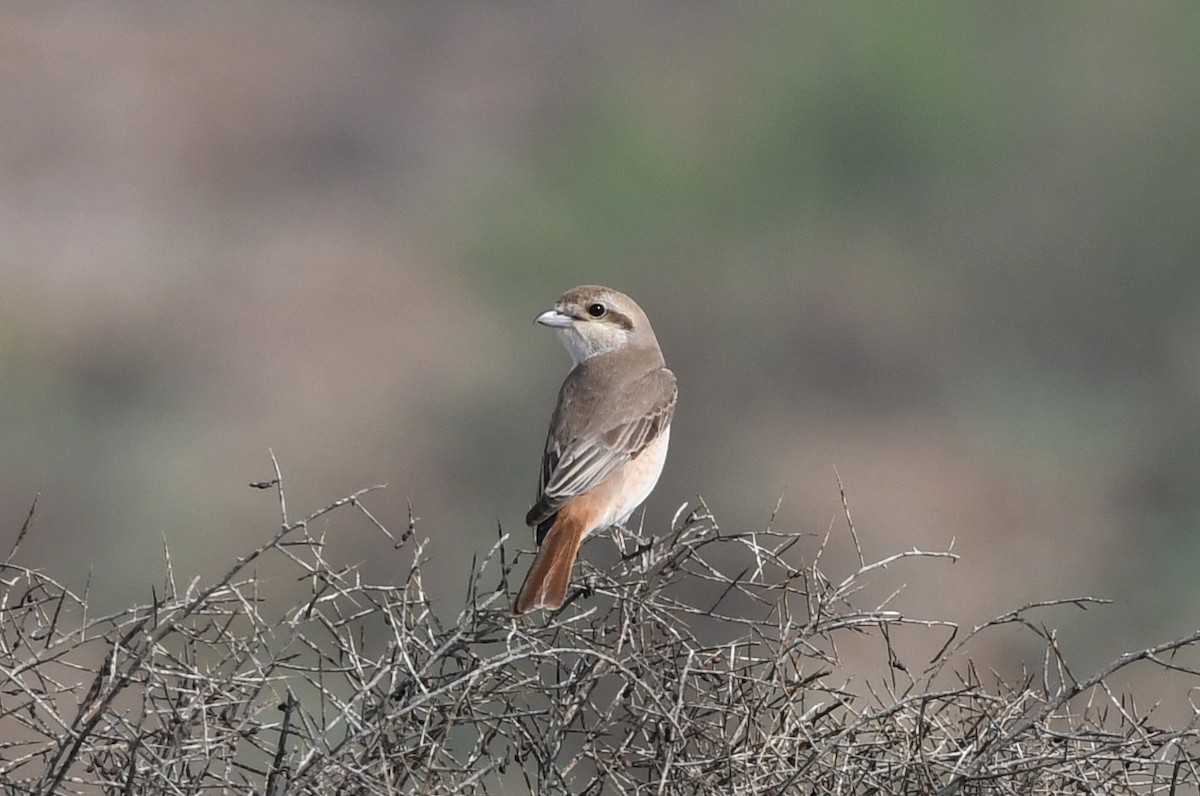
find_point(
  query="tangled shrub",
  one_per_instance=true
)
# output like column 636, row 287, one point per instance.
column 703, row 662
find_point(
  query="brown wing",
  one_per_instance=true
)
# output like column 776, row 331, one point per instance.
column 602, row 422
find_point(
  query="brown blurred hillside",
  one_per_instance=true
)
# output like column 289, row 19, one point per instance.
column 950, row 250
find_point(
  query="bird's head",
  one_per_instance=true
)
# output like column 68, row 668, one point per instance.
column 592, row 320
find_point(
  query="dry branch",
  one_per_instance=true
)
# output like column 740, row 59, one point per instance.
column 704, row 662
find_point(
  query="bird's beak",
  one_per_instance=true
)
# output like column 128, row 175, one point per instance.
column 554, row 319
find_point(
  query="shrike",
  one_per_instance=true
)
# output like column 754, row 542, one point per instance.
column 608, row 435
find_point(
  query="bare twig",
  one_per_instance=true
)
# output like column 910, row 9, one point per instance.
column 702, row 662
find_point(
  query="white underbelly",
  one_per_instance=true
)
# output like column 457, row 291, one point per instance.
column 639, row 478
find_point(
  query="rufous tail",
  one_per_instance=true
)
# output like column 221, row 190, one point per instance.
column 546, row 584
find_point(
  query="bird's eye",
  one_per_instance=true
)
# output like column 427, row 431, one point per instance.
column 597, row 310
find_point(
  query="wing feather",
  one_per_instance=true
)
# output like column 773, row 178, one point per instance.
column 609, row 424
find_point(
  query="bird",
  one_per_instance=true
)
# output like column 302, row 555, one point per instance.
column 608, row 434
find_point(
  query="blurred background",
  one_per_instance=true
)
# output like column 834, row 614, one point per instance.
column 951, row 250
